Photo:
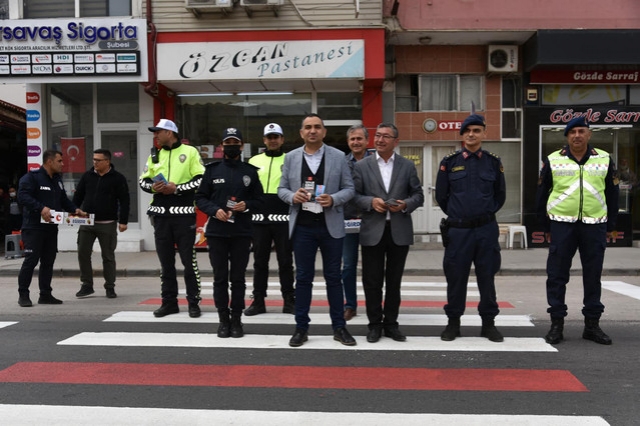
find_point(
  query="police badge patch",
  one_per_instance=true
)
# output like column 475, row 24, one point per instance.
column 246, row 180
column 183, row 158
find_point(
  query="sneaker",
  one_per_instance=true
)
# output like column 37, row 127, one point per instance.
column 85, row 290
column 48, row 299
column 111, row 293
column 24, row 301
column 167, row 308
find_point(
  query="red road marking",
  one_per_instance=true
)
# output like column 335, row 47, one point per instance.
column 278, row 302
column 268, row 376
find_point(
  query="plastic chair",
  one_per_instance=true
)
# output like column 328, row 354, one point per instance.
column 517, row 230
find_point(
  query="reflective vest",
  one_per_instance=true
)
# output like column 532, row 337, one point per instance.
column 269, row 171
column 578, row 190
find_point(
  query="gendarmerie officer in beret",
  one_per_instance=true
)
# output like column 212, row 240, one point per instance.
column 470, row 189
column 577, row 203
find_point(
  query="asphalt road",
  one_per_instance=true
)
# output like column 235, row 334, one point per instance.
column 86, row 360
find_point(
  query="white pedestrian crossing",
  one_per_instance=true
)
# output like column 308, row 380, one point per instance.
column 67, row 415
column 316, row 318
column 623, row 288
column 4, row 324
column 316, row 342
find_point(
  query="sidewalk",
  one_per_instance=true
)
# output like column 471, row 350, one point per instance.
column 619, row 261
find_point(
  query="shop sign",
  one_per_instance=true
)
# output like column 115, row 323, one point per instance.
column 54, row 50
column 261, row 60
column 430, row 125
column 610, row 116
column 621, row 76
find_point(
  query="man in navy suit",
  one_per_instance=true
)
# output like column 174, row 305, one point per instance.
column 387, row 190
column 316, row 183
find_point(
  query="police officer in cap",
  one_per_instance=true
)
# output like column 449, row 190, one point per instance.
column 470, row 189
column 577, row 203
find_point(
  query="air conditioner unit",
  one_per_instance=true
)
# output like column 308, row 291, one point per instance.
column 502, row 58
column 255, row 3
column 209, row 5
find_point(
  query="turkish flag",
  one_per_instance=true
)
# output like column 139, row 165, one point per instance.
column 73, row 155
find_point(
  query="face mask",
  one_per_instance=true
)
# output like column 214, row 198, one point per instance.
column 231, row 151
column 12, row 194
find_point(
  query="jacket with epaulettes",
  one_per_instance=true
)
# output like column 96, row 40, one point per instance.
column 470, row 184
column 225, row 179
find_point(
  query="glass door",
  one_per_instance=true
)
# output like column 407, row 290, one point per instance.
column 123, row 145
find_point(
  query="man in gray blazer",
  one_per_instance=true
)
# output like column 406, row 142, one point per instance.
column 387, row 190
column 316, row 183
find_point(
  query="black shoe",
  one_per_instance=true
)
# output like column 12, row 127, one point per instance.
column 374, row 334
column 235, row 330
column 167, row 308
column 395, row 334
column 554, row 336
column 111, row 293
column 25, row 301
column 257, row 307
column 452, row 330
column 491, row 333
column 48, row 299
column 343, row 336
column 224, row 330
column 194, row 310
column 85, row 290
column 299, row 337
column 289, row 306
column 593, row 332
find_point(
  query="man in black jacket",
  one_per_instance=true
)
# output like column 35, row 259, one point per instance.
column 41, row 193
column 104, row 192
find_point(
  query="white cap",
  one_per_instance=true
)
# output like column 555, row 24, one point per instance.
column 164, row 124
column 272, row 128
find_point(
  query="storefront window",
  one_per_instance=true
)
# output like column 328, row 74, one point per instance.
column 70, row 129
column 509, row 153
column 340, row 106
column 204, row 118
column 118, row 103
column 583, row 94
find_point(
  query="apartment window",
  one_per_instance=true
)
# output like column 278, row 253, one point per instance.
column 451, row 92
column 511, row 108
column 44, row 9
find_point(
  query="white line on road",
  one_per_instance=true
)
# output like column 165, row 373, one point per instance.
column 622, row 288
column 61, row 415
column 4, row 324
column 266, row 341
column 278, row 318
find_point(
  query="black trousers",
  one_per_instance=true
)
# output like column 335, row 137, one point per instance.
column 40, row 245
column 263, row 236
column 383, row 262
column 229, row 258
column 171, row 232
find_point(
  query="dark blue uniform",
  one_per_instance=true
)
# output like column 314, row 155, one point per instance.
column 37, row 191
column 568, row 237
column 470, row 189
column 229, row 242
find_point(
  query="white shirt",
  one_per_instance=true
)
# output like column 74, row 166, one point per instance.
column 386, row 169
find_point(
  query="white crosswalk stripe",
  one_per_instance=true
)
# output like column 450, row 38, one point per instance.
column 622, row 288
column 324, row 319
column 4, row 324
column 317, row 342
column 67, row 415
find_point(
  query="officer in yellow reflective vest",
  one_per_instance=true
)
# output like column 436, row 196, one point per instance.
column 577, row 202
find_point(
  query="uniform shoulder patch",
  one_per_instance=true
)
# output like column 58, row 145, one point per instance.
column 491, row 154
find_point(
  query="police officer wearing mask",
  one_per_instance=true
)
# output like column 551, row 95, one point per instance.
column 229, row 193
column 470, row 189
